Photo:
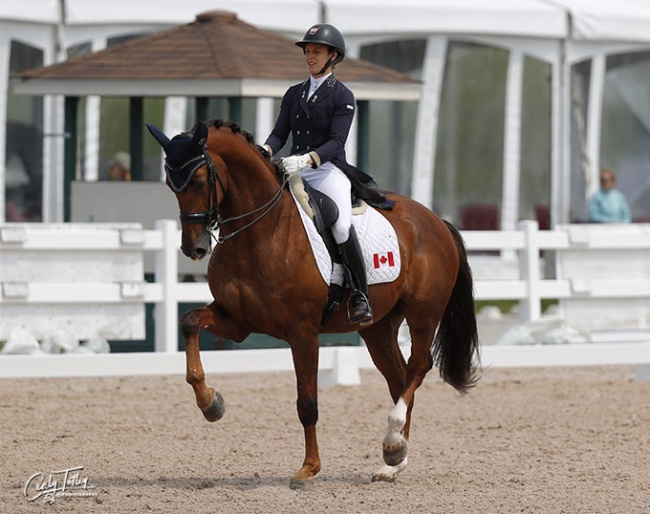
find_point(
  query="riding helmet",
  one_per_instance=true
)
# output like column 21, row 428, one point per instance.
column 325, row 34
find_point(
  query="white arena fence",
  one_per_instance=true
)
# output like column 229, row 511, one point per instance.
column 338, row 365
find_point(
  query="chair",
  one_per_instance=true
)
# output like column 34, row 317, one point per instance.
column 543, row 215
column 479, row 216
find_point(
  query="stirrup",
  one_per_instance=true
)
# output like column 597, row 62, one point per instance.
column 364, row 317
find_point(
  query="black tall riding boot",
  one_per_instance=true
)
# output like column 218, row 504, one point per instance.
column 359, row 310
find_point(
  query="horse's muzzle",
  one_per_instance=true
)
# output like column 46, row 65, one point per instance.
column 197, row 249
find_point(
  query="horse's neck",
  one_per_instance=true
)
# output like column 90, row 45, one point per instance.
column 248, row 189
column 252, row 189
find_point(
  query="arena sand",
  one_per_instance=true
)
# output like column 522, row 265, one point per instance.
column 556, row 440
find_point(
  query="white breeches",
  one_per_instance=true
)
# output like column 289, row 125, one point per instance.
column 330, row 180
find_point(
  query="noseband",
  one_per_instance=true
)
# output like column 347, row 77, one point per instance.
column 210, row 217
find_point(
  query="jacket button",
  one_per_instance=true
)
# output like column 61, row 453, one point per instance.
column 307, row 132
column 298, row 132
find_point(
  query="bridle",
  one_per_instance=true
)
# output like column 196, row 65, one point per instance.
column 210, row 217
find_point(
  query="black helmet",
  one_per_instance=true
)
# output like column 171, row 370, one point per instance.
column 325, row 34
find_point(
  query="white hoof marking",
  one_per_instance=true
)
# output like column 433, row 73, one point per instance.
column 396, row 422
column 389, row 473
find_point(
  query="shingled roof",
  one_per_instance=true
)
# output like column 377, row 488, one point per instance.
column 217, row 54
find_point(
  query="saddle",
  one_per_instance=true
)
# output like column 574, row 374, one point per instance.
column 324, row 213
column 379, row 243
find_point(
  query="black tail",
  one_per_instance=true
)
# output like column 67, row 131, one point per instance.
column 456, row 346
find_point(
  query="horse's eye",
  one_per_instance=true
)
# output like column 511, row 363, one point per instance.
column 200, row 185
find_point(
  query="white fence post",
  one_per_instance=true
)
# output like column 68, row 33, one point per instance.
column 592, row 249
column 166, row 271
column 344, row 369
column 530, row 308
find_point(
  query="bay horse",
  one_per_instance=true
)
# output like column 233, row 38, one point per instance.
column 264, row 279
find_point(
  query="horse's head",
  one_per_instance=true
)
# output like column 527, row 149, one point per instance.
column 194, row 179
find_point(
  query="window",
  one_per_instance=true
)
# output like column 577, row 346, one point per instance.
column 390, row 136
column 24, row 143
column 625, row 129
column 535, row 161
column 469, row 154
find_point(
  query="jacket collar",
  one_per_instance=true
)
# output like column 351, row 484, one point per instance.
column 323, row 91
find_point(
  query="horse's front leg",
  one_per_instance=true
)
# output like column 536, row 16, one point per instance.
column 305, row 361
column 209, row 401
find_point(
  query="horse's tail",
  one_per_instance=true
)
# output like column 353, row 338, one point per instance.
column 456, row 347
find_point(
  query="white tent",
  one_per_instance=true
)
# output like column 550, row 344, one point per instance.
column 558, row 32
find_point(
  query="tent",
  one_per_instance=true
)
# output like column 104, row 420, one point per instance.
column 578, row 40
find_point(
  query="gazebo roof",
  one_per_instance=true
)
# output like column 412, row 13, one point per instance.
column 215, row 55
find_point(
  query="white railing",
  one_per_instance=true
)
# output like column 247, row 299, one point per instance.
column 340, row 364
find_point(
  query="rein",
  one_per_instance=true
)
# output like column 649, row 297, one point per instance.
column 268, row 206
column 211, row 216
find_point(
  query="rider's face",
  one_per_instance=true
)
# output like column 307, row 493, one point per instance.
column 316, row 56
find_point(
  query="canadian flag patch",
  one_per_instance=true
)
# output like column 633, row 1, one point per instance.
column 383, row 259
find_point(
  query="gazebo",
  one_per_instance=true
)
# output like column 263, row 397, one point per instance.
column 217, row 55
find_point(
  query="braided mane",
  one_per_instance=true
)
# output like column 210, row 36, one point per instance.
column 236, row 129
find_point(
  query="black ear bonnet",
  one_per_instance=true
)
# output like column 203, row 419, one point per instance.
column 184, row 154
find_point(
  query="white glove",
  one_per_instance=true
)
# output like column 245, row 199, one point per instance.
column 295, row 163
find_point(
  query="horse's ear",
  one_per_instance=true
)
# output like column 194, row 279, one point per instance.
column 200, row 134
column 162, row 139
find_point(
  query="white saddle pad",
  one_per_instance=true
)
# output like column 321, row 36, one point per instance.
column 376, row 235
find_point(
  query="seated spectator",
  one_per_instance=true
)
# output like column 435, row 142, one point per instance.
column 608, row 204
column 119, row 167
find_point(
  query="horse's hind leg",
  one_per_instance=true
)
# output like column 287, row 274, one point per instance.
column 403, row 380
column 381, row 340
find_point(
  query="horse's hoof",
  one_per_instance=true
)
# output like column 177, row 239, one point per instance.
column 302, row 484
column 395, row 455
column 216, row 409
column 380, row 477
column 389, row 473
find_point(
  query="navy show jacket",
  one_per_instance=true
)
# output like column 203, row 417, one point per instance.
column 322, row 125
column 319, row 125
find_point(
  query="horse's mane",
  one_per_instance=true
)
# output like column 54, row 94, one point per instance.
column 236, row 129
column 218, row 123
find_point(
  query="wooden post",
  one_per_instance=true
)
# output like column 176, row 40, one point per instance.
column 363, row 138
column 202, row 108
column 235, row 109
column 136, row 141
column 69, row 153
